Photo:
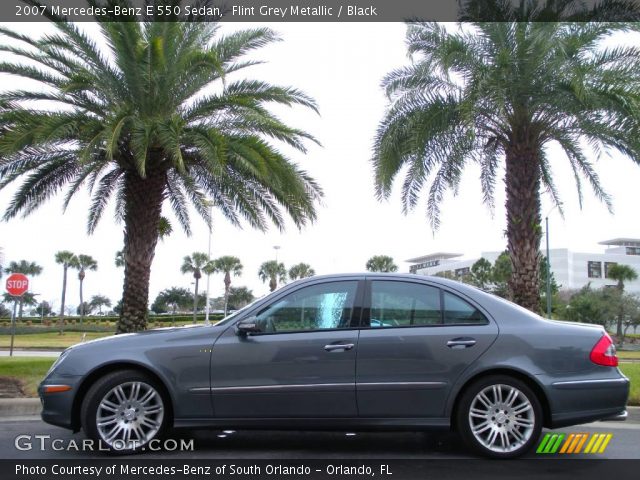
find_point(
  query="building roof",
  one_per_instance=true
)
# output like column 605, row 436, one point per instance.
column 434, row 256
column 621, row 242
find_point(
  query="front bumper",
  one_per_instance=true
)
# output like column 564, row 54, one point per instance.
column 57, row 407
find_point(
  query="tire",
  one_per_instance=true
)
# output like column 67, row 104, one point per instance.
column 132, row 408
column 499, row 416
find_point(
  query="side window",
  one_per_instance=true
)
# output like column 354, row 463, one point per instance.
column 404, row 304
column 318, row 307
column 457, row 311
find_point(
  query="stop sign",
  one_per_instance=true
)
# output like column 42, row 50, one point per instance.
column 17, row 284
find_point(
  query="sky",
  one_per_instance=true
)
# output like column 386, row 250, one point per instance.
column 340, row 65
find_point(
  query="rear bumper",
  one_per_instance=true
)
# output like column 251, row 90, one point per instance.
column 576, row 401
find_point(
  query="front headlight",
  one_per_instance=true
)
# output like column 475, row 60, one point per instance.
column 57, row 363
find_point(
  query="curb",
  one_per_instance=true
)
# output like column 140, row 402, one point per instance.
column 11, row 407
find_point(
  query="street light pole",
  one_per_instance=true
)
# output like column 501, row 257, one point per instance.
column 276, row 248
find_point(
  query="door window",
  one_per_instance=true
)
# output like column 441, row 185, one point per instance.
column 457, row 311
column 404, row 304
column 318, row 307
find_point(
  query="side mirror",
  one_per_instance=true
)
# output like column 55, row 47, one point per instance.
column 247, row 326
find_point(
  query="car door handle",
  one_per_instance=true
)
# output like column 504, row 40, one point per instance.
column 333, row 347
column 461, row 342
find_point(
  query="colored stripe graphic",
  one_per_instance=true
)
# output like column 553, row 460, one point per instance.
column 550, row 443
column 574, row 442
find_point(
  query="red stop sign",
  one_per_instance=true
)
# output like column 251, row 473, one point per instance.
column 17, row 284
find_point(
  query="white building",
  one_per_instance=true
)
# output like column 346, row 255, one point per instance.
column 572, row 270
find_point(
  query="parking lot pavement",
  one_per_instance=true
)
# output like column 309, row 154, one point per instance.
column 296, row 445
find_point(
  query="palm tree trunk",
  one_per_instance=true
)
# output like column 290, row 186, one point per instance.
column 273, row 283
column 523, row 223
column 227, row 285
column 81, row 303
column 142, row 215
column 195, row 302
column 64, row 294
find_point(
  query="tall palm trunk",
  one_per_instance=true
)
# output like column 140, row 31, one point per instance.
column 81, row 278
column 227, row 285
column 619, row 332
column 64, row 294
column 142, row 215
column 273, row 283
column 195, row 299
column 523, row 223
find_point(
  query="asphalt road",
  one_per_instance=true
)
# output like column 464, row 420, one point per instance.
column 299, row 445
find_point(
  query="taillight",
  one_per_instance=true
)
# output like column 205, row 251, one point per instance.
column 604, row 352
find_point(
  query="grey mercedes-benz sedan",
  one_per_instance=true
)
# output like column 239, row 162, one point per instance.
column 346, row 352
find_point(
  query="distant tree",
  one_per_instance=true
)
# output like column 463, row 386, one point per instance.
column 30, row 269
column 117, row 309
column 239, row 297
column 228, row 265
column 83, row 263
column 66, row 259
column 119, row 259
column 381, row 263
column 4, row 311
column 590, row 305
column 194, row 264
column 174, row 299
column 272, row 271
column 621, row 273
column 99, row 301
column 301, row 270
column 84, row 309
column 481, row 274
column 44, row 309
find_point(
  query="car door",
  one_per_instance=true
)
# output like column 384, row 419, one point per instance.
column 302, row 361
column 416, row 341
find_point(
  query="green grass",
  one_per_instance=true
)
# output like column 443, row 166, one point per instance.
column 49, row 340
column 632, row 370
column 30, row 370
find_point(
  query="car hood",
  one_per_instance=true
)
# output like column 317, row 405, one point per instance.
column 154, row 333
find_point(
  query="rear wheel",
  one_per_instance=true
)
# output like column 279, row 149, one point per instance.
column 499, row 416
column 124, row 411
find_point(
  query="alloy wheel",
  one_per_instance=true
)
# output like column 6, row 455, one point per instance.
column 129, row 415
column 501, row 418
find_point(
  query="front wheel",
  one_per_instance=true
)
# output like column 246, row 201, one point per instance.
column 500, row 417
column 124, row 411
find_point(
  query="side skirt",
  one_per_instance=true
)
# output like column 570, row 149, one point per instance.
column 318, row 424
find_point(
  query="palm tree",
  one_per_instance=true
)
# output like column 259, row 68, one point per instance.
column 150, row 115
column 301, row 270
column 381, row 263
column 621, row 273
column 66, row 259
column 99, row 301
column 506, row 90
column 273, row 271
column 195, row 264
column 83, row 263
column 31, row 269
column 228, row 265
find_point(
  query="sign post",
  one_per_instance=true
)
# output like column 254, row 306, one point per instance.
column 17, row 285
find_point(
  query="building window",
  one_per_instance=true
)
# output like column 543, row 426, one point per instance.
column 633, row 250
column 594, row 269
column 462, row 272
column 607, row 266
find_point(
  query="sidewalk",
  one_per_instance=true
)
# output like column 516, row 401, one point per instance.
column 20, row 352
